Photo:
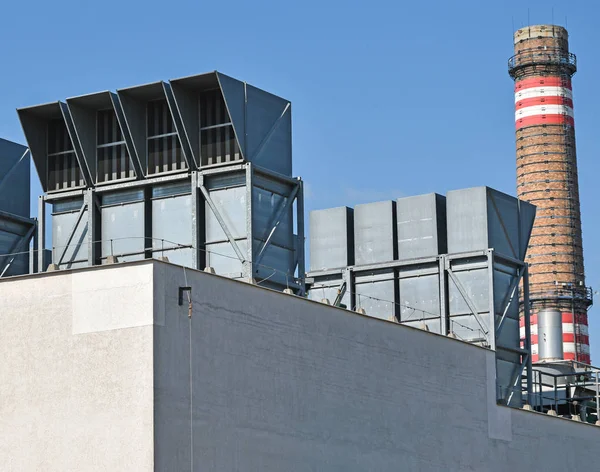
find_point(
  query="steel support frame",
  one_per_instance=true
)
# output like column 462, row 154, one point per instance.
column 199, row 194
column 19, row 246
column 446, row 275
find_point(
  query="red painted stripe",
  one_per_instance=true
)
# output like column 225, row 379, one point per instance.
column 548, row 100
column 570, row 338
column 580, row 318
column 534, row 358
column 541, row 81
column 585, row 358
column 569, row 356
column 538, row 120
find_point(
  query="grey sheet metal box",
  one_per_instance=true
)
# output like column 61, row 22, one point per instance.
column 421, row 226
column 481, row 218
column 374, row 232
column 331, row 238
column 376, row 292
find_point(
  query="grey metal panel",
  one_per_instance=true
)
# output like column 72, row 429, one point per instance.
column 84, row 121
column 12, row 232
column 331, row 238
column 79, row 155
column 223, row 259
column 122, row 229
column 503, row 223
column 509, row 335
column 527, row 213
column 374, row 232
column 476, row 284
column 85, row 125
column 268, row 128
column 186, row 102
column 14, row 178
column 231, row 204
column 467, row 327
column 421, row 226
column 265, row 208
column 467, row 219
column 76, row 254
column 134, row 112
column 34, row 124
column 419, row 296
column 178, row 124
column 376, row 294
column 234, row 93
column 550, row 334
column 327, row 287
column 181, row 256
column 277, row 264
column 482, row 218
column 172, row 225
column 433, row 325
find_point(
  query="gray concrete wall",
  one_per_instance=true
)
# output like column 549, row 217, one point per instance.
column 254, row 381
column 76, row 371
column 285, row 384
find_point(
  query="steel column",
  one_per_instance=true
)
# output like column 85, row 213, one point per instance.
column 249, row 264
column 492, row 299
column 196, row 229
column 527, row 315
column 41, row 231
column 93, row 226
column 444, row 309
column 300, row 243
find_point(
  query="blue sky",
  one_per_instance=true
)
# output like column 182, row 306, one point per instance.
column 389, row 98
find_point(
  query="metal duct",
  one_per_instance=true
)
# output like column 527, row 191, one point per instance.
column 550, row 338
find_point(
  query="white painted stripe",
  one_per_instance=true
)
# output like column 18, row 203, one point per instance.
column 534, row 330
column 544, row 110
column 570, row 347
column 543, row 92
column 568, row 328
column 534, row 349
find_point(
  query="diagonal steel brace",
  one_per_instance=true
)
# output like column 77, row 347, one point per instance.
column 221, row 221
column 467, row 299
column 284, row 205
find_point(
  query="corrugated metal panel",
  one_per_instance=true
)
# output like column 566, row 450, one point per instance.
column 331, row 238
column 421, row 226
column 375, row 232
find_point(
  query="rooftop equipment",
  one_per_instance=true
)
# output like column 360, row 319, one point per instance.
column 450, row 265
column 197, row 170
column 16, row 227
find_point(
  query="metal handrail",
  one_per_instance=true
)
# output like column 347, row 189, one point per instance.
column 584, row 295
column 543, row 57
